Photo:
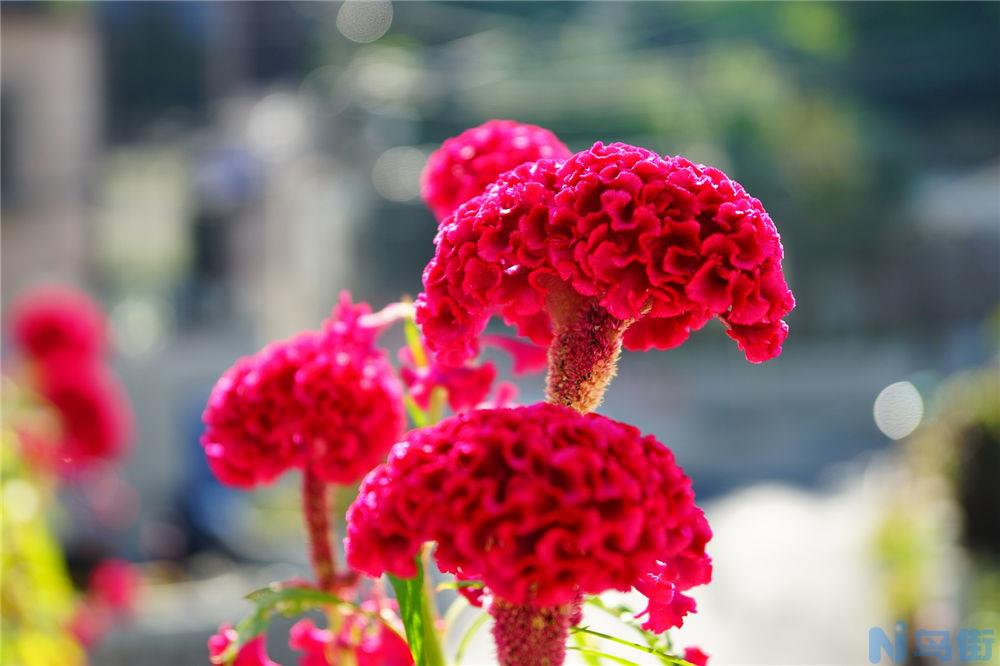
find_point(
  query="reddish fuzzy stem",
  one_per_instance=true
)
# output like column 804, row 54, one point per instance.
column 315, row 506
column 583, row 355
column 530, row 636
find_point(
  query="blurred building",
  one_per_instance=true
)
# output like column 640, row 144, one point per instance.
column 52, row 106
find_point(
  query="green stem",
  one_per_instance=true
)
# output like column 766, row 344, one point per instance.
column 433, row 652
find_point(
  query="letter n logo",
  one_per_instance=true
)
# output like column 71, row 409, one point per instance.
column 879, row 642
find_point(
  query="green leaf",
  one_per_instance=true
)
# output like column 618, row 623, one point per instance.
column 277, row 598
column 408, row 592
column 418, row 618
column 659, row 642
column 663, row 656
column 417, row 415
column 458, row 584
column 583, row 642
column 602, row 655
column 415, row 343
column 463, row 644
column 435, row 405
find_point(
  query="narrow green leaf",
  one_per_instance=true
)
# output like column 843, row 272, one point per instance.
column 436, row 402
column 408, row 591
column 452, row 614
column 663, row 656
column 583, row 642
column 463, row 644
column 415, row 343
column 659, row 642
column 418, row 618
column 457, row 584
column 598, row 655
column 417, row 415
column 282, row 599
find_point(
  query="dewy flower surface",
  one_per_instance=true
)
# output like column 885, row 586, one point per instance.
column 541, row 503
column 326, row 400
column 659, row 244
column 466, row 164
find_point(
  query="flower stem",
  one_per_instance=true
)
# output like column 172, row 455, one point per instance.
column 528, row 635
column 583, row 354
column 315, row 506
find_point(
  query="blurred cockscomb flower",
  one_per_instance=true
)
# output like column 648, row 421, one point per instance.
column 542, row 504
column 94, row 415
column 49, row 321
column 466, row 164
column 616, row 245
column 253, row 653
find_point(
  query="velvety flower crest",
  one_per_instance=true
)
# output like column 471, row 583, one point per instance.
column 326, row 400
column 541, row 503
column 466, row 164
column 658, row 242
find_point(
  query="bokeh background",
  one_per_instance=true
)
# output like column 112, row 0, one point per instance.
column 215, row 173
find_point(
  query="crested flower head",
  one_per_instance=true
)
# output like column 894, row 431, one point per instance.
column 326, row 400
column 661, row 245
column 466, row 164
column 541, row 503
column 95, row 419
column 50, row 321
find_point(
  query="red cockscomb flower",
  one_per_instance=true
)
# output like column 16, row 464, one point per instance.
column 465, row 165
column 326, row 400
column 541, row 503
column 95, row 420
column 466, row 386
column 114, row 582
column 368, row 641
column 695, row 656
column 526, row 357
column 253, row 653
column 647, row 248
column 49, row 321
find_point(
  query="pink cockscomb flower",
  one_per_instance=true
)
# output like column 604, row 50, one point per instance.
column 94, row 415
column 466, row 164
column 49, row 321
column 114, row 582
column 324, row 400
column 526, row 357
column 542, row 504
column 368, row 642
column 253, row 653
column 465, row 387
column 695, row 656
column 616, row 245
